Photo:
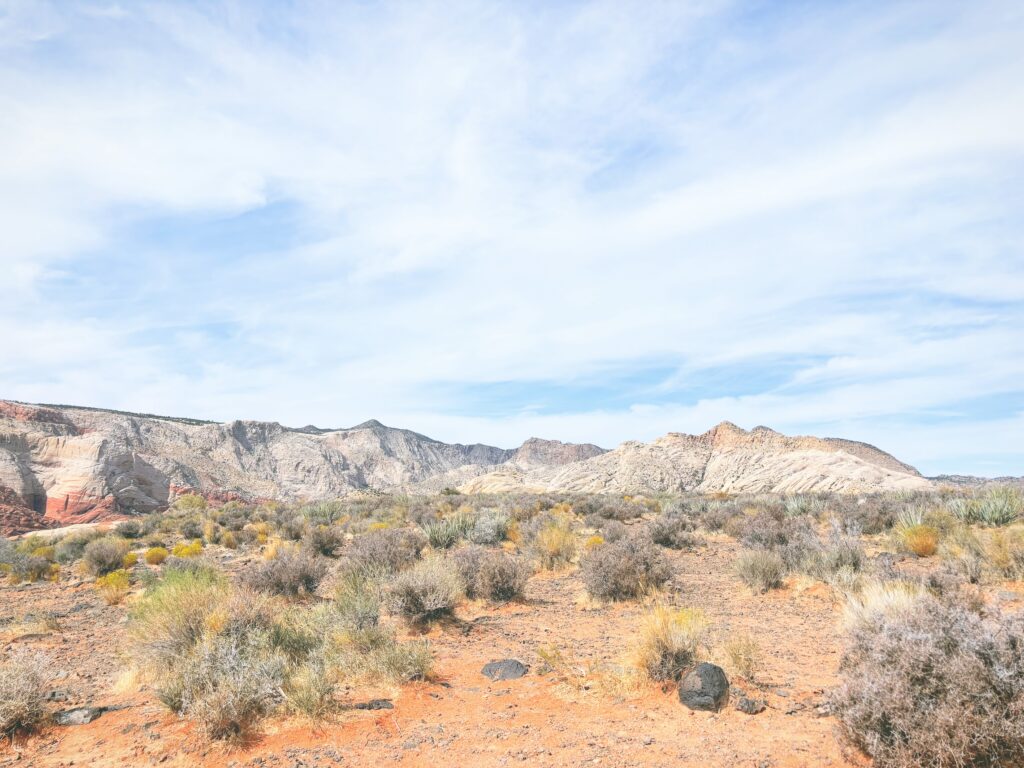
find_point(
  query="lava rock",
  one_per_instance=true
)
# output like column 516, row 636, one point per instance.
column 375, row 704
column 750, row 706
column 78, row 716
column 704, row 688
column 506, row 669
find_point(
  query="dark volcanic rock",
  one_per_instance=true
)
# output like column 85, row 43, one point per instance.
column 704, row 688
column 507, row 669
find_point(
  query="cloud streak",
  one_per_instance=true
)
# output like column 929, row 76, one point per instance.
column 803, row 217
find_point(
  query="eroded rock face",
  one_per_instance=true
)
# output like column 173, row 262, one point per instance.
column 725, row 458
column 75, row 465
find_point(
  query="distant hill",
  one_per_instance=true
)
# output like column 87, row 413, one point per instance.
column 72, row 464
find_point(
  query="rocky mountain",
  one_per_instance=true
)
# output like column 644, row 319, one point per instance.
column 70, row 464
column 725, row 458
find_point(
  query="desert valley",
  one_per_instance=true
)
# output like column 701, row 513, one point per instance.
column 179, row 592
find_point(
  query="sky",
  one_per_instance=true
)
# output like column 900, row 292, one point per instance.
column 484, row 221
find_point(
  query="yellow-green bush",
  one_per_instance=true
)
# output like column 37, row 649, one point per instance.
column 156, row 555
column 193, row 549
column 113, row 587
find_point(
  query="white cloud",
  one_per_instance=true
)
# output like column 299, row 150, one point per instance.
column 489, row 193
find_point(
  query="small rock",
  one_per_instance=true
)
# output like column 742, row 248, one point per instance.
column 375, row 704
column 78, row 716
column 750, row 706
column 506, row 669
column 704, row 688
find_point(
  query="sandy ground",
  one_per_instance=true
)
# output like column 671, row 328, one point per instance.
column 462, row 718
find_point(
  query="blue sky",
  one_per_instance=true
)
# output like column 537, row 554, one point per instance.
column 489, row 221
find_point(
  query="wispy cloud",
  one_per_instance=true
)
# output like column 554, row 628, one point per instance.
column 592, row 221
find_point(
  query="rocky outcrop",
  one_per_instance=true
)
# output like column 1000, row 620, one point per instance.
column 725, row 458
column 70, row 465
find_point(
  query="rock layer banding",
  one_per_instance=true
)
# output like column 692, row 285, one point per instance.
column 63, row 464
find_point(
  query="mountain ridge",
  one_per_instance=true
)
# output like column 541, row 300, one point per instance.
column 76, row 464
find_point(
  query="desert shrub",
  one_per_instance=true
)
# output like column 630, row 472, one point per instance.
column 449, row 531
column 761, row 569
column 930, row 682
column 130, row 529
column 190, row 502
column 113, row 587
column 193, row 548
column 1000, row 506
column 357, row 601
column 490, row 528
column 467, row 561
column 71, row 547
column 799, row 506
column 1003, row 552
column 841, row 553
column 429, row 590
column 669, row 641
column 624, row 569
column 389, row 550
column 45, row 551
column 228, row 540
column 715, row 516
column 102, row 556
column 492, row 575
column 744, row 656
column 323, row 540
column 19, row 566
column 227, row 685
column 612, row 530
column 872, row 514
column 24, row 680
column 921, row 539
column 309, row 688
column 554, row 541
column 374, row 654
column 673, row 531
column 619, row 509
column 593, row 541
column 291, row 574
column 293, row 528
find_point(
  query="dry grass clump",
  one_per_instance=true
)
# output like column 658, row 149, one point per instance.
column 24, row 680
column 744, row 656
column 292, row 574
column 919, row 538
column 102, row 556
column 930, row 682
column 669, row 642
column 624, row 569
column 113, row 587
column 429, row 590
column 554, row 542
column 761, row 569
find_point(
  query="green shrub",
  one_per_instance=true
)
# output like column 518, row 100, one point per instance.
column 1000, row 506
column 447, row 532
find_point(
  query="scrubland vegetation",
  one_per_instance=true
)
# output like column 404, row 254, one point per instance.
column 241, row 612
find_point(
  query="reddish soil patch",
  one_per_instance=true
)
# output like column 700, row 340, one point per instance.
column 463, row 718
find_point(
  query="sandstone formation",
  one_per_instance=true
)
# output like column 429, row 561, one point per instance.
column 725, row 458
column 66, row 464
